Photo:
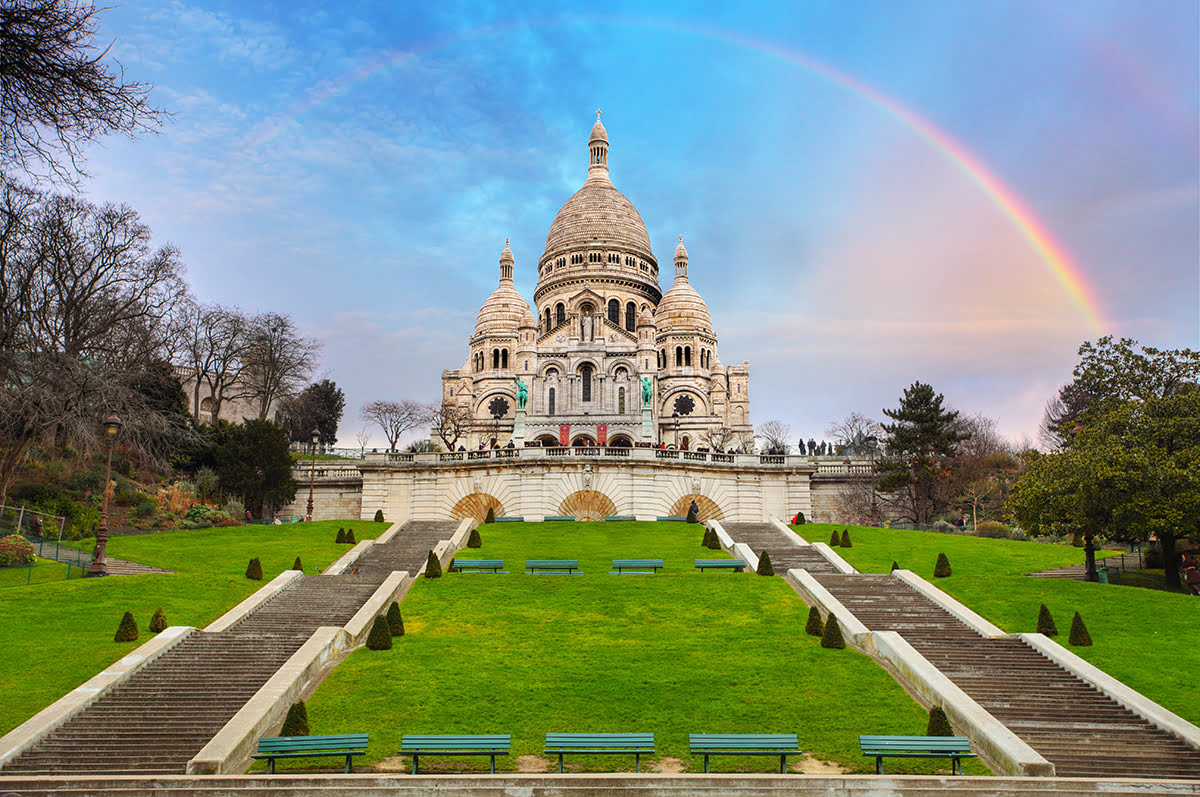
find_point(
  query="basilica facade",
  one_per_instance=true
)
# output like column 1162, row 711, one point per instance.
column 606, row 358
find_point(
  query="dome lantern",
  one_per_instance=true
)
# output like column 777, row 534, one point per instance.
column 598, row 149
column 506, row 263
column 681, row 260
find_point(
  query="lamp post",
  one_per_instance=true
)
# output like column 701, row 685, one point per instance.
column 312, row 472
column 675, row 415
column 112, row 425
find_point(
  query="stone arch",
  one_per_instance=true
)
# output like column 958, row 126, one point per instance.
column 476, row 506
column 582, row 440
column 708, row 509
column 620, row 441
column 546, row 440
column 587, row 505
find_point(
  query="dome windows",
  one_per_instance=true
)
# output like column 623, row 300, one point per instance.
column 630, row 316
column 614, row 311
column 560, row 313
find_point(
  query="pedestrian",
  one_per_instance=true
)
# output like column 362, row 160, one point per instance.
column 1191, row 574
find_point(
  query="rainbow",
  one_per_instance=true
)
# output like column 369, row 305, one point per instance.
column 1069, row 275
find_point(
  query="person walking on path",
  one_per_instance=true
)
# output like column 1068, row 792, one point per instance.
column 1191, row 574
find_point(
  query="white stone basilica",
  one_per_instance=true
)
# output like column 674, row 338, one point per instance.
column 608, row 359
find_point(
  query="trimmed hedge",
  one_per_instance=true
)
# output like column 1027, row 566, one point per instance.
column 491, row 515
column 1045, row 624
column 127, row 631
column 942, row 568
column 297, row 566
column 815, row 625
column 341, row 537
column 764, row 565
column 380, row 637
column 433, row 568
column 350, row 537
column 254, row 570
column 158, row 622
column 835, row 540
column 395, row 620
column 473, row 539
column 832, row 638
column 1079, row 634
column 846, row 539
column 296, row 723
column 378, row 515
column 938, row 724
column 15, row 551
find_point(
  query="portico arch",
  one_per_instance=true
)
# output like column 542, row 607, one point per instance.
column 708, row 509
column 587, row 505
column 476, row 506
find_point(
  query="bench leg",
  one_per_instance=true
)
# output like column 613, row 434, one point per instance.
column 348, row 764
column 637, row 762
column 956, row 766
column 415, row 756
column 782, row 765
column 270, row 766
column 560, row 763
column 706, row 763
column 878, row 765
column 493, row 764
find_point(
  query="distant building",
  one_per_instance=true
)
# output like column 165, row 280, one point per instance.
column 237, row 405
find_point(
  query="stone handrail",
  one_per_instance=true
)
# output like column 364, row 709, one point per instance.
column 340, row 473
column 639, row 453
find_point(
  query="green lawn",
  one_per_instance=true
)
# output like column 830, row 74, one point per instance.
column 676, row 653
column 57, row 634
column 43, row 570
column 1145, row 638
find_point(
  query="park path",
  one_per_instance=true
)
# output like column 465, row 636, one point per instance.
column 1082, row 731
column 158, row 720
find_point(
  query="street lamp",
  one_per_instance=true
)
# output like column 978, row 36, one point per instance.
column 112, row 425
column 675, row 415
column 312, row 472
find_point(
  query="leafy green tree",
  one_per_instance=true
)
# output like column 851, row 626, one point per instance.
column 920, row 443
column 319, row 406
column 252, row 460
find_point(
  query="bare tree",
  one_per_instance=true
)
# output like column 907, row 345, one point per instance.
column 720, row 437
column 396, row 417
column 213, row 352
column 856, row 435
column 278, row 360
column 363, row 437
column 775, row 436
column 981, row 469
column 451, row 422
column 59, row 93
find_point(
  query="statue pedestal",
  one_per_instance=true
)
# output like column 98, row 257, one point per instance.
column 648, row 435
column 518, row 434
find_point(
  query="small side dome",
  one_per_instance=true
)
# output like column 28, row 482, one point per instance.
column 646, row 319
column 505, row 310
column 681, row 251
column 682, row 308
column 598, row 132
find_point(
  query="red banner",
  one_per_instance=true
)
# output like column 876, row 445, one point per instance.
column 564, row 434
column 601, row 434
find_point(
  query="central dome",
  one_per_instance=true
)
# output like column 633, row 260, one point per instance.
column 598, row 215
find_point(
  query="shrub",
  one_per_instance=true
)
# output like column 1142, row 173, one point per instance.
column 798, row 520
column 692, row 514
column 938, row 724
column 993, row 529
column 350, row 537
column 296, row 723
column 815, row 625
column 1079, row 634
column 846, row 539
column 491, row 515
column 832, row 637
column 433, row 568
column 395, row 620
column 378, row 515
column 128, row 630
column 942, row 527
column 341, row 536
column 254, row 570
column 15, row 550
column 235, row 509
column 473, row 539
column 158, row 622
column 895, row 565
column 764, row 565
column 942, row 568
column 835, row 540
column 144, row 510
column 1045, row 623
column 380, row 637
column 297, row 566
column 710, row 538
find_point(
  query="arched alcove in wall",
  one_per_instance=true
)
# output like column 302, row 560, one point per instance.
column 476, row 506
column 587, row 505
column 708, row 509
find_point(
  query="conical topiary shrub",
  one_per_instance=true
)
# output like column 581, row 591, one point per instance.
column 764, row 565
column 710, row 539
column 254, row 570
column 127, row 631
column 491, row 515
column 394, row 620
column 832, row 638
column 378, row 515
column 1079, row 634
column 158, row 621
column 815, row 625
column 296, row 723
column 846, row 539
column 341, row 537
column 798, row 520
column 350, row 537
column 297, row 566
column 380, row 637
column 693, row 516
column 938, row 724
column 895, row 565
column 433, row 568
column 1046, row 622
column 473, row 539
column 942, row 568
column 835, row 540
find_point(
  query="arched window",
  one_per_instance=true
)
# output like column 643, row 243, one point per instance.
column 560, row 314
column 614, row 311
column 678, row 356
column 631, row 316
column 495, row 358
column 547, row 319
column 687, row 355
column 585, row 377
column 504, row 358
column 551, row 402
column 621, row 401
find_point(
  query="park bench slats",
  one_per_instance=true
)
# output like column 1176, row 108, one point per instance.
column 955, row 748
column 737, row 565
column 600, row 744
column 534, row 565
column 559, row 517
column 512, row 519
column 346, row 744
column 476, row 565
column 620, row 517
column 637, row 565
column 780, row 744
column 488, row 744
column 679, row 518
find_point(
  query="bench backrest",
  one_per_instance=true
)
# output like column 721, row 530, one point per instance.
column 585, row 741
column 720, row 562
column 637, row 563
column 744, row 741
column 487, row 741
column 916, row 743
column 552, row 563
column 620, row 517
column 479, row 563
column 294, row 744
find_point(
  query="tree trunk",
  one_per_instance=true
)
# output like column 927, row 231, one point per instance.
column 1170, row 561
column 1089, row 553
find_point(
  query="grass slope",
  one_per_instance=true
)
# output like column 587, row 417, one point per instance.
column 1145, row 638
column 676, row 653
column 61, row 633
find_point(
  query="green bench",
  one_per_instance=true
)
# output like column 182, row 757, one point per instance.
column 559, row 517
column 513, row 519
column 477, row 565
column 346, row 745
column 736, row 565
column 600, row 744
column 636, row 566
column 620, row 517
column 553, row 565
column 491, row 745
column 955, row 748
column 780, row 744
column 678, row 518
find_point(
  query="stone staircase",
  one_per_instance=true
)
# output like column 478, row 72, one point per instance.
column 158, row 720
column 785, row 553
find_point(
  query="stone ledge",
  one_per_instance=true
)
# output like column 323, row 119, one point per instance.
column 833, row 558
column 956, row 609
column 853, row 630
column 390, row 590
column 347, row 559
column 787, row 532
column 248, row 606
column 69, row 705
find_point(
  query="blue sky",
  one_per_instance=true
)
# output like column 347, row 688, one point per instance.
column 360, row 166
